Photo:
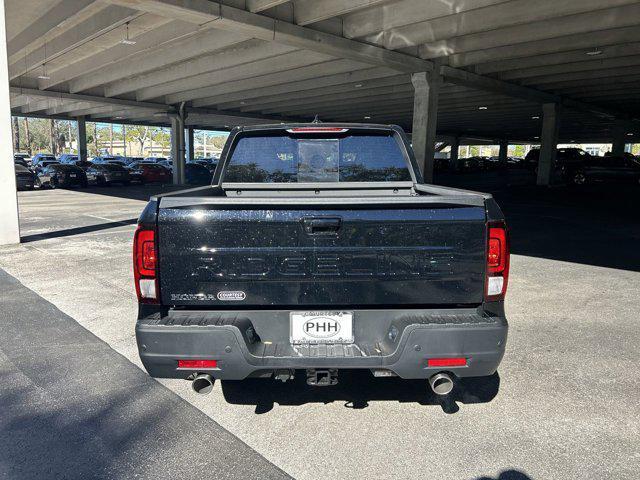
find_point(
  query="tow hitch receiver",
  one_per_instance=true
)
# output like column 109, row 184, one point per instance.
column 322, row 378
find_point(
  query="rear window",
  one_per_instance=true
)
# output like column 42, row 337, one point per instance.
column 291, row 158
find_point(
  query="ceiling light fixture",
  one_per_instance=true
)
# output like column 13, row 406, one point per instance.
column 358, row 85
column 367, row 117
column 126, row 40
column 43, row 75
column 536, row 138
column 593, row 53
column 482, row 108
column 535, row 117
column 629, row 134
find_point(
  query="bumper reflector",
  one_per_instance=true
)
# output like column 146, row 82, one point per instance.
column 196, row 364
column 447, row 362
column 147, row 287
column 494, row 285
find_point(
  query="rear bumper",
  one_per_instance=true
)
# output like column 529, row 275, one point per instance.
column 241, row 350
column 25, row 183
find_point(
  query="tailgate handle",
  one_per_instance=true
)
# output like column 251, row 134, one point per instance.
column 322, row 225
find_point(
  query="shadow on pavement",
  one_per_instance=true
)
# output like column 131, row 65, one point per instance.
column 356, row 389
column 67, row 232
column 508, row 475
column 133, row 192
column 593, row 225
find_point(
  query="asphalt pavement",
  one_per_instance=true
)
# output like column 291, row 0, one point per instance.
column 564, row 403
column 72, row 407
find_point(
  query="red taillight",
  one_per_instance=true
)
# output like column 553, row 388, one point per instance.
column 447, row 362
column 497, row 261
column 144, row 265
column 149, row 255
column 197, row 364
column 317, row 130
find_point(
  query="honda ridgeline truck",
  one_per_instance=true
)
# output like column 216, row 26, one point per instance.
column 318, row 247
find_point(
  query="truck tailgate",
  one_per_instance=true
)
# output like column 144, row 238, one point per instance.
column 242, row 256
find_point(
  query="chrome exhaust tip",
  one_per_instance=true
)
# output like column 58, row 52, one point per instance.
column 441, row 384
column 202, row 384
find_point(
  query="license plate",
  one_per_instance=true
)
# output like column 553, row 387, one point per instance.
column 321, row 327
column 72, row 175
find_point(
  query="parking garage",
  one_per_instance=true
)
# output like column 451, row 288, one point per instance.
column 451, row 74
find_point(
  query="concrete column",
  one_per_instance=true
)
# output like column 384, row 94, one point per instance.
column 425, row 115
column 190, row 146
column 9, row 226
column 82, row 139
column 548, row 142
column 453, row 156
column 177, row 149
column 503, row 153
column 619, row 139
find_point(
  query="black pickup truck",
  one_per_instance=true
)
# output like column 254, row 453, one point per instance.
column 318, row 247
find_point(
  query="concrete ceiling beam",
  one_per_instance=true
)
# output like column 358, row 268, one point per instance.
column 241, row 53
column 552, row 28
column 224, row 17
column 103, row 21
column 275, row 63
column 59, row 17
column 514, row 15
column 167, row 54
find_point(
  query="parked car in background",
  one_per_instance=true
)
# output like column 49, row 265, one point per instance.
column 608, row 169
column 130, row 160
column 83, row 164
column 25, row 178
column 441, row 164
column 491, row 163
column 18, row 160
column 209, row 162
column 135, row 173
column 153, row 173
column 515, row 162
column 196, row 174
column 124, row 161
column 71, row 159
column 471, row 164
column 167, row 163
column 155, row 159
column 58, row 175
column 23, row 156
column 105, row 159
column 109, row 173
column 41, row 160
column 68, row 158
column 564, row 156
